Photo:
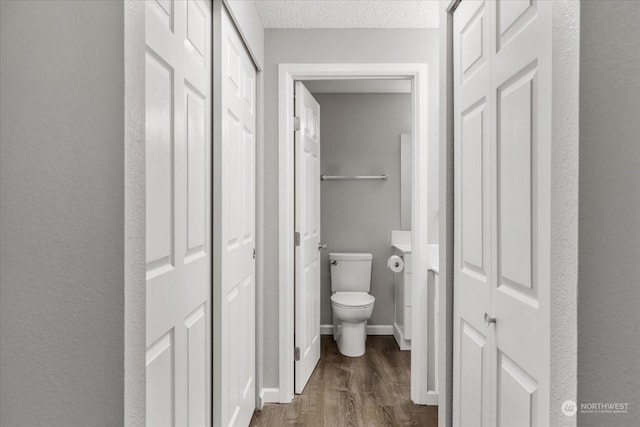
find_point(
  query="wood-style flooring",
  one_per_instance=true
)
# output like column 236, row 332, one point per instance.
column 372, row 390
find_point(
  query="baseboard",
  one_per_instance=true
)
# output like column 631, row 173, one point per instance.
column 326, row 329
column 379, row 329
column 398, row 334
column 270, row 395
column 432, row 398
column 371, row 329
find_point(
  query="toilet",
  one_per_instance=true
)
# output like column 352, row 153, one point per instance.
column 351, row 302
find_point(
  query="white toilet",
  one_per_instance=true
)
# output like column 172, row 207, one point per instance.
column 351, row 302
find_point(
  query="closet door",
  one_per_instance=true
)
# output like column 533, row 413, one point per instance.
column 521, row 116
column 473, row 266
column 178, row 203
column 502, row 134
column 238, row 195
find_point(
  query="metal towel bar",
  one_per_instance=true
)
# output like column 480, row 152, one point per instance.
column 352, row 178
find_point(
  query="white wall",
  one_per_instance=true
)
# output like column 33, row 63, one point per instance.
column 332, row 46
column 61, row 218
column 563, row 256
column 360, row 135
column 609, row 273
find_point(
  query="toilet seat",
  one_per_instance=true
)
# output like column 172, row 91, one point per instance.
column 352, row 299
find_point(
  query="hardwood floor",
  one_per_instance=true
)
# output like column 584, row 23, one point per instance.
column 372, row 390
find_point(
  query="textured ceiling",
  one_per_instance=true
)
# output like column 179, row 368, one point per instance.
column 348, row 13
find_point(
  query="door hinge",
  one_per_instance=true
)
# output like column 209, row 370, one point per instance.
column 296, row 238
column 296, row 354
column 254, row 253
column 296, row 123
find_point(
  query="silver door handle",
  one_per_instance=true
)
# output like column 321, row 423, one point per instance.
column 334, row 262
column 488, row 320
column 322, row 246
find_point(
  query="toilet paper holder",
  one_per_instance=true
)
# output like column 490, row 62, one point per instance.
column 396, row 263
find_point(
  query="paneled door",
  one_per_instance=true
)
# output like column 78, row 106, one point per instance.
column 502, row 134
column 307, row 251
column 178, row 206
column 237, row 229
column 473, row 268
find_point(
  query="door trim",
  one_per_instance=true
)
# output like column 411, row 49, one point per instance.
column 445, row 201
column 287, row 73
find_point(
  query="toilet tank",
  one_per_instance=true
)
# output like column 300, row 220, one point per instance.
column 350, row 272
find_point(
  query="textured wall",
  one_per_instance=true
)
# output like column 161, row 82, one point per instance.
column 609, row 289
column 135, row 267
column 563, row 257
column 360, row 135
column 61, row 216
column 332, row 46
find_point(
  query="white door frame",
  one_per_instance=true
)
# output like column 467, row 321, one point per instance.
column 287, row 74
column 445, row 201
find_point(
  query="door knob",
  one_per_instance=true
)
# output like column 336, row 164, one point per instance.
column 322, row 246
column 488, row 320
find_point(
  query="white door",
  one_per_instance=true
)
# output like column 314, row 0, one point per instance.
column 307, row 220
column 473, row 238
column 237, row 229
column 502, row 87
column 178, row 205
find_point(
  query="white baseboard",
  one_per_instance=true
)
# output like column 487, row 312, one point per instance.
column 326, row 329
column 371, row 329
column 270, row 395
column 379, row 329
column 432, row 398
column 398, row 334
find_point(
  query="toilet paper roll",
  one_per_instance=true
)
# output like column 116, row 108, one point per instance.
column 395, row 263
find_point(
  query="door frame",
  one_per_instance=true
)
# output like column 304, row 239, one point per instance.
column 287, row 74
column 446, row 203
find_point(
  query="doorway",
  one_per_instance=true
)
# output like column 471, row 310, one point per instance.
column 416, row 74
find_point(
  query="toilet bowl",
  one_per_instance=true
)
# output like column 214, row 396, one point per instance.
column 351, row 302
column 351, row 311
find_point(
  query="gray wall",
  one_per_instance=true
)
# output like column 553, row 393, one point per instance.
column 609, row 256
column 61, row 213
column 360, row 135
column 332, row 46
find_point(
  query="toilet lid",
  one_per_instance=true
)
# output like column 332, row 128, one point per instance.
column 352, row 299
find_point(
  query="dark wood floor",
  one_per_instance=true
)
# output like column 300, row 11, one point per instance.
column 372, row 390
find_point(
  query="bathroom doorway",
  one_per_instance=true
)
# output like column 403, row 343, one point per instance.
column 413, row 77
